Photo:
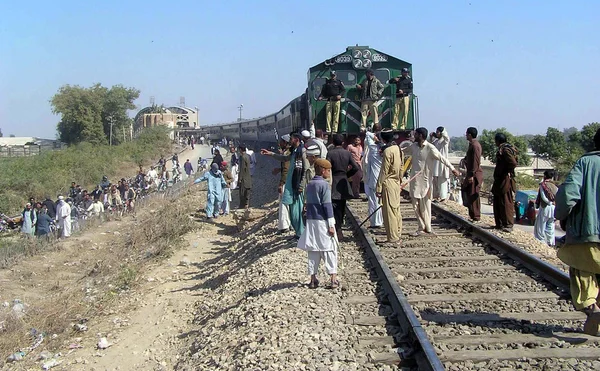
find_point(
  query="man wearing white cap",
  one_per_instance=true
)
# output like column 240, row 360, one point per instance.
column 317, row 139
column 372, row 167
column 63, row 216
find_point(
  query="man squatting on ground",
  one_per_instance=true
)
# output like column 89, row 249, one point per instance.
column 318, row 238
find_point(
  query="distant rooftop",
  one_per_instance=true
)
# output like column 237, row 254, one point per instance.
column 22, row 141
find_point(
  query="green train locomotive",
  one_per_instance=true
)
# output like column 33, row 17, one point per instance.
column 350, row 67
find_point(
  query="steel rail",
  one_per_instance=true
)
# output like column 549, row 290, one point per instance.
column 422, row 350
column 547, row 271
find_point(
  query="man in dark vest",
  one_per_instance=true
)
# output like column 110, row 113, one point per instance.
column 333, row 91
column 504, row 185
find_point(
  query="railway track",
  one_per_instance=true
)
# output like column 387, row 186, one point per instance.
column 467, row 300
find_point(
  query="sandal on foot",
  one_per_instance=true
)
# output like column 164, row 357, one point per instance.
column 592, row 323
column 334, row 285
column 313, row 284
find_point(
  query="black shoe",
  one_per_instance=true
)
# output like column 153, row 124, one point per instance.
column 507, row 229
column 374, row 227
column 283, row 231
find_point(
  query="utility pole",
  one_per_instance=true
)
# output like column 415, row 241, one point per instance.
column 241, row 107
column 110, row 120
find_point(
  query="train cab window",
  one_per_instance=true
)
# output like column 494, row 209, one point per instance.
column 317, row 86
column 382, row 75
column 347, row 77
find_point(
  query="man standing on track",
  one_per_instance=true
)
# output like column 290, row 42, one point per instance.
column 293, row 192
column 474, row 177
column 245, row 179
column 372, row 168
column 371, row 89
column 333, row 90
column 578, row 209
column 441, row 175
column 504, row 185
column 342, row 167
column 388, row 186
column 356, row 150
column 404, row 88
column 423, row 155
column 318, row 239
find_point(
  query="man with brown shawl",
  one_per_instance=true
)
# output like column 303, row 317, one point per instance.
column 504, row 185
column 474, row 176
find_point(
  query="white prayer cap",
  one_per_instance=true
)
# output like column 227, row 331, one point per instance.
column 305, row 133
column 313, row 150
column 286, row 137
column 60, row 198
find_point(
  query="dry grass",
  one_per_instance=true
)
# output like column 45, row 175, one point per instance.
column 110, row 271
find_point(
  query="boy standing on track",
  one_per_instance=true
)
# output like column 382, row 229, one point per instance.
column 318, row 238
column 578, row 209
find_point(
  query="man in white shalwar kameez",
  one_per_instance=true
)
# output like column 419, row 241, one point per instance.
column 318, row 237
column 372, row 168
column 544, row 229
column 423, row 155
column 235, row 168
column 63, row 217
column 441, row 174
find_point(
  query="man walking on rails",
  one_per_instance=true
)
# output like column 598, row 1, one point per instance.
column 578, row 209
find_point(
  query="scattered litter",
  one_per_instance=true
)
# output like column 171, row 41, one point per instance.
column 103, row 343
column 75, row 346
column 45, row 355
column 51, row 363
column 18, row 308
column 15, row 357
column 80, row 327
column 185, row 262
column 117, row 233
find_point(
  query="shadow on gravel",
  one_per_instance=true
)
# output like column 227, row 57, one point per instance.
column 251, row 293
column 493, row 320
column 253, row 243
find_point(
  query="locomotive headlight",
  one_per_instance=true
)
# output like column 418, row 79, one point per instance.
column 366, row 54
column 357, row 63
column 367, row 63
column 357, row 54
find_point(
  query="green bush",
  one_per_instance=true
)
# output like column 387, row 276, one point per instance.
column 51, row 173
column 526, row 182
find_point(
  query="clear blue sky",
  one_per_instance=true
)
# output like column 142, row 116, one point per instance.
column 540, row 70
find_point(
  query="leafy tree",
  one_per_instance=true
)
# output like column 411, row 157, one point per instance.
column 0, row 133
column 459, row 144
column 11, row 136
column 488, row 145
column 86, row 113
column 552, row 146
